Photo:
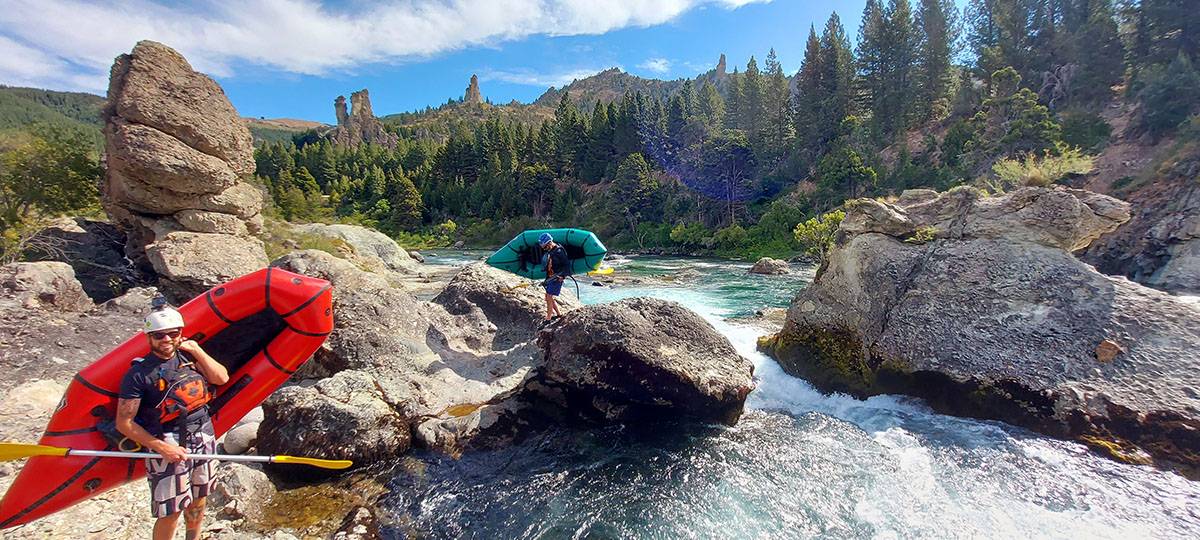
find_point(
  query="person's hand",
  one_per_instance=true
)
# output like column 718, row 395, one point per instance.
column 170, row 452
column 189, row 346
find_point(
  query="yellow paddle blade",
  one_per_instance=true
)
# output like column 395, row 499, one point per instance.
column 601, row 271
column 11, row 451
column 518, row 286
column 322, row 463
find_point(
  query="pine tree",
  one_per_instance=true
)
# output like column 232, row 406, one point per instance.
column 1011, row 123
column 687, row 93
column 780, row 132
column 733, row 105
column 599, row 146
column 567, row 136
column 870, row 57
column 809, row 97
column 634, row 190
column 899, row 54
column 1099, row 56
column 753, row 104
column 1170, row 94
column 836, row 79
column 937, row 31
column 626, row 138
column 711, row 106
column 405, row 205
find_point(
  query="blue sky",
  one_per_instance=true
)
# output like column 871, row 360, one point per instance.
column 291, row 58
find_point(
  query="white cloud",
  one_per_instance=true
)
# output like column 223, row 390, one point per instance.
column 531, row 78
column 74, row 41
column 657, row 65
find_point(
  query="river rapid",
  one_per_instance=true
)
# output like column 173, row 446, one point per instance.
column 799, row 464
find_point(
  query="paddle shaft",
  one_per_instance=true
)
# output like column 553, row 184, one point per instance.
column 222, row 457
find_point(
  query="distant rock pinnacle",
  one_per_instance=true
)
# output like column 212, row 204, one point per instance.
column 472, row 96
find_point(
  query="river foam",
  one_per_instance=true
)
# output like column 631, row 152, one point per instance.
column 799, row 464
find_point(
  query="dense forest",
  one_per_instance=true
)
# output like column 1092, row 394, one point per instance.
column 1004, row 93
column 1007, row 92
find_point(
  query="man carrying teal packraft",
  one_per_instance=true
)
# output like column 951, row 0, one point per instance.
column 558, row 267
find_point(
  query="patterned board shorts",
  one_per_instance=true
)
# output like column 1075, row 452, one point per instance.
column 173, row 486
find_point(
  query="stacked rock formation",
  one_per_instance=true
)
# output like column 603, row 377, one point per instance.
column 177, row 155
column 473, row 97
column 359, row 125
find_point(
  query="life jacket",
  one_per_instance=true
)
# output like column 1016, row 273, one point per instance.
column 185, row 391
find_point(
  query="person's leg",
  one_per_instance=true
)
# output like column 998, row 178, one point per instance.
column 193, row 517
column 554, row 307
column 202, row 478
column 549, row 306
column 164, row 527
column 169, row 494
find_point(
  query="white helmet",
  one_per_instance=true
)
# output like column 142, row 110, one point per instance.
column 164, row 318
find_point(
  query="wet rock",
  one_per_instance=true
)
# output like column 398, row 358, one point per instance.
column 240, row 491
column 416, row 255
column 767, row 265
column 643, row 358
column 360, row 524
column 48, row 285
column 342, row 417
column 995, row 318
column 1160, row 246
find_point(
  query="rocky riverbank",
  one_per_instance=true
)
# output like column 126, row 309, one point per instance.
column 977, row 305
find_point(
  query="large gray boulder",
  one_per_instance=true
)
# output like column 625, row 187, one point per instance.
column 989, row 315
column 240, row 491
column 177, row 158
column 769, row 266
column 342, row 417
column 189, row 263
column 643, row 358
column 374, row 247
column 509, row 302
column 48, row 285
column 427, row 362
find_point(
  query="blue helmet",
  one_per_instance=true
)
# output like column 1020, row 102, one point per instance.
column 544, row 239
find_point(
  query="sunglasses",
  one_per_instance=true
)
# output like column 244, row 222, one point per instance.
column 169, row 334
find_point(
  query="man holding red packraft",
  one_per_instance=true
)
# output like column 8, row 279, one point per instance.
column 162, row 406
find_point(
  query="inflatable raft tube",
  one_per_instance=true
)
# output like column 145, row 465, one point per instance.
column 523, row 256
column 261, row 326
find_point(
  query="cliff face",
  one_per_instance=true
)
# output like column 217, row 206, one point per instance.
column 977, row 305
column 359, row 125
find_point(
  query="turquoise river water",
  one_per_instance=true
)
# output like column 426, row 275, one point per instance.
column 799, row 464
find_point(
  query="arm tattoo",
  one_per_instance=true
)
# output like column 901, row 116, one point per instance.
column 128, row 408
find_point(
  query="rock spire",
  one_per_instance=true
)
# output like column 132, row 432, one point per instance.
column 359, row 125
column 472, row 97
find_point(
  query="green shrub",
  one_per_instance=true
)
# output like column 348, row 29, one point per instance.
column 922, row 235
column 817, row 235
column 693, row 235
column 1036, row 170
column 731, row 238
column 1169, row 95
column 1084, row 129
